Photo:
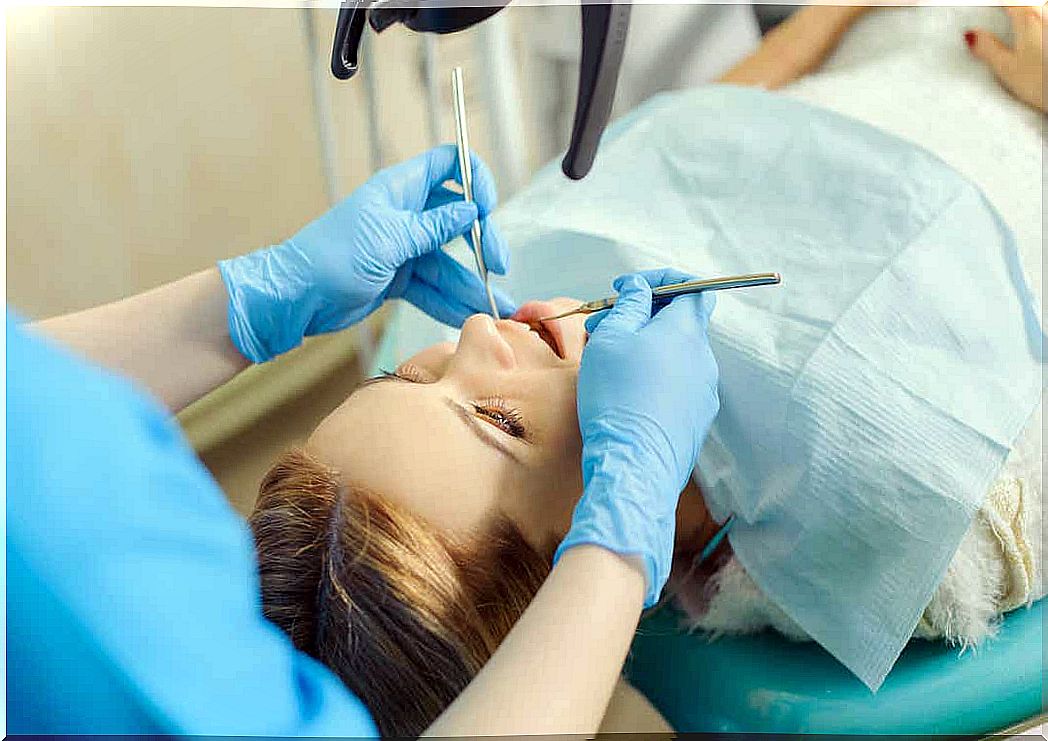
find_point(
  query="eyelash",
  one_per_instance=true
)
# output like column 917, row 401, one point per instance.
column 496, row 411
column 493, row 409
column 406, row 373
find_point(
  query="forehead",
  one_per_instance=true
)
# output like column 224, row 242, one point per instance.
column 402, row 442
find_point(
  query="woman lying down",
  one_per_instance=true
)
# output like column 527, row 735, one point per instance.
column 877, row 444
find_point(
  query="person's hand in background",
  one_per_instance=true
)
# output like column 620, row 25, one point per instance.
column 1019, row 67
column 383, row 241
column 796, row 47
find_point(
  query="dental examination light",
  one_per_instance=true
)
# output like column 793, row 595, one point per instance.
column 604, row 28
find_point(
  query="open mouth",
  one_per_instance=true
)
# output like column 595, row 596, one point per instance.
column 561, row 337
column 551, row 338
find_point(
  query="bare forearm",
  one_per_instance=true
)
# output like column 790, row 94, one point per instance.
column 174, row 339
column 572, row 641
column 797, row 46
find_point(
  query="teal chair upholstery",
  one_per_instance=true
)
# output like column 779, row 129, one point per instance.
column 767, row 684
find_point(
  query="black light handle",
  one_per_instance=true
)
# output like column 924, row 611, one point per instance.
column 435, row 17
column 604, row 30
column 349, row 28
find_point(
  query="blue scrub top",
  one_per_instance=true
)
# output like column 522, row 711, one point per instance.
column 132, row 596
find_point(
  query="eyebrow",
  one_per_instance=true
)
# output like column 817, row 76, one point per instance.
column 476, row 426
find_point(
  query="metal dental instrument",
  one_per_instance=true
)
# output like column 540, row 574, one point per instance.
column 458, row 95
column 664, row 294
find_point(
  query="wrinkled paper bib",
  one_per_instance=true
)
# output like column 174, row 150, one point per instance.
column 866, row 403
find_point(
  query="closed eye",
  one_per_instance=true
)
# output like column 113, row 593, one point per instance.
column 494, row 410
column 473, row 421
column 498, row 413
column 407, row 373
column 478, row 416
column 411, row 375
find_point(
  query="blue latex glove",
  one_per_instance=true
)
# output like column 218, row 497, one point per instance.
column 647, row 396
column 383, row 241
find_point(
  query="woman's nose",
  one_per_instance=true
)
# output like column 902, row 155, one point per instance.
column 480, row 341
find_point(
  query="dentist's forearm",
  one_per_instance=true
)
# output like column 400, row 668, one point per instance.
column 173, row 339
column 557, row 668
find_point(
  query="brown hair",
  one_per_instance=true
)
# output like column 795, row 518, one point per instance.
column 403, row 614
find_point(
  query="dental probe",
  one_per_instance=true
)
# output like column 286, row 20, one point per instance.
column 458, row 95
column 664, row 294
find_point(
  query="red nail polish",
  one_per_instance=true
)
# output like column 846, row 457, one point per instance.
column 969, row 38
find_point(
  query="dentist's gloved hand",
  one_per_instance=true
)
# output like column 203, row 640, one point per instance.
column 383, row 241
column 647, row 395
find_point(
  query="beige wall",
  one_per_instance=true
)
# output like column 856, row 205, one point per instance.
column 144, row 143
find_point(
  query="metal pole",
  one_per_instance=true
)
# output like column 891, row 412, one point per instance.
column 321, row 111
column 498, row 71
column 369, row 71
column 432, row 91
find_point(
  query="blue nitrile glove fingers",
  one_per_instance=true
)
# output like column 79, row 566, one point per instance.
column 436, row 285
column 443, row 162
column 383, row 241
column 647, row 396
column 496, row 254
column 657, row 277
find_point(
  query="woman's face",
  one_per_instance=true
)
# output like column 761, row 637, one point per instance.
column 462, row 434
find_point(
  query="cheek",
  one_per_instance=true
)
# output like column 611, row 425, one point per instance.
column 548, row 400
column 563, row 465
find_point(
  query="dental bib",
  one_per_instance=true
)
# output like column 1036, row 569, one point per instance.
column 869, row 401
column 866, row 403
